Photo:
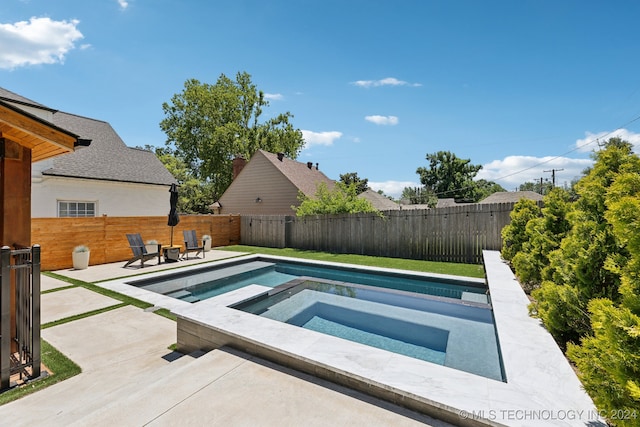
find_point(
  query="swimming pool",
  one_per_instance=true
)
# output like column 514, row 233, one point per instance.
column 532, row 363
column 443, row 320
column 207, row 282
column 454, row 333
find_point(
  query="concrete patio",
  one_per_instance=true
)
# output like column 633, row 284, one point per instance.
column 130, row 378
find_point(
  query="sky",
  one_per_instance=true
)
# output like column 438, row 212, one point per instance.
column 520, row 87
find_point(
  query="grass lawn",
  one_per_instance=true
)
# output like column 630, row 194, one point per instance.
column 469, row 270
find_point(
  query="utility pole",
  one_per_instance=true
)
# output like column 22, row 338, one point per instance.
column 553, row 175
column 541, row 192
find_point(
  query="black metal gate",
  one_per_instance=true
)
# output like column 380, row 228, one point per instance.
column 19, row 343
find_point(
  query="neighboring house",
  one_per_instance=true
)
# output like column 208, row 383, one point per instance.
column 378, row 201
column 511, row 197
column 269, row 185
column 105, row 178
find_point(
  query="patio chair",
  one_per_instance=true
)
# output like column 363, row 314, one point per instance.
column 191, row 244
column 139, row 251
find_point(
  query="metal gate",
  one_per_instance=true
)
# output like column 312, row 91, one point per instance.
column 19, row 341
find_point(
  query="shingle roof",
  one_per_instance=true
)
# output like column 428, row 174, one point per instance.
column 511, row 196
column 12, row 96
column 107, row 158
column 379, row 201
column 300, row 175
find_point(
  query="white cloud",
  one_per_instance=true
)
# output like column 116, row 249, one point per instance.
column 389, row 81
column 512, row 171
column 392, row 188
column 39, row 41
column 590, row 141
column 123, row 4
column 382, row 120
column 319, row 138
column 273, row 96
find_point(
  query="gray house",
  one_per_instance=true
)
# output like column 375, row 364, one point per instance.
column 105, row 178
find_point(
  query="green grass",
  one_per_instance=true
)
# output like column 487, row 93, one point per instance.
column 58, row 364
column 468, row 270
column 81, row 316
column 102, row 291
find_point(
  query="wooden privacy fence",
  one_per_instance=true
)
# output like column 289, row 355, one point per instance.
column 453, row 234
column 106, row 236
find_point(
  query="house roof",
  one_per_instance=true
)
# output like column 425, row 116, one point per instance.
column 302, row 176
column 19, row 124
column 379, row 201
column 511, row 196
column 107, row 158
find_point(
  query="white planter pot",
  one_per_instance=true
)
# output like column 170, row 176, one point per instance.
column 80, row 260
column 207, row 245
column 151, row 249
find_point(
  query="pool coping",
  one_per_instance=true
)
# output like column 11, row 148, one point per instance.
column 541, row 387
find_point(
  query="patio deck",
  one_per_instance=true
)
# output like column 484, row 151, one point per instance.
column 129, row 377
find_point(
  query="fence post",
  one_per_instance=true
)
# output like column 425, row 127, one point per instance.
column 5, row 318
column 288, row 225
column 35, row 295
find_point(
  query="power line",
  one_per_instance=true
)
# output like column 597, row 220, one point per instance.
column 570, row 151
column 551, row 159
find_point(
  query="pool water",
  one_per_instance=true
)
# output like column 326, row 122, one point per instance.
column 457, row 334
column 208, row 282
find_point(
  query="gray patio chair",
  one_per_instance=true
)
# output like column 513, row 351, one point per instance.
column 191, row 244
column 140, row 251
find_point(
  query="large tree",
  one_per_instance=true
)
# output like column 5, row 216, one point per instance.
column 450, row 176
column 210, row 124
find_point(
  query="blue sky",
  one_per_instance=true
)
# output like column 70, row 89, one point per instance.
column 520, row 87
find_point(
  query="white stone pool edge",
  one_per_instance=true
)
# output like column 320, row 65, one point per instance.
column 541, row 387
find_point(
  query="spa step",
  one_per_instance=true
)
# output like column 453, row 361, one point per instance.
column 474, row 297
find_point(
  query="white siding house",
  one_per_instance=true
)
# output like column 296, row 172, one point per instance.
column 105, row 178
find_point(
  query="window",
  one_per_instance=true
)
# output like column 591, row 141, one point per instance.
column 76, row 209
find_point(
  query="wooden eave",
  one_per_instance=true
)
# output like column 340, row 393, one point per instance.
column 44, row 139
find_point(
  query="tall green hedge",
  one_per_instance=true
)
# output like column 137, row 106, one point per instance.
column 589, row 283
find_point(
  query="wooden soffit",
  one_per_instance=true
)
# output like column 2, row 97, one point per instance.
column 44, row 139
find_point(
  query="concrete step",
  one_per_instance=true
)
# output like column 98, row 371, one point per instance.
column 148, row 398
column 102, row 390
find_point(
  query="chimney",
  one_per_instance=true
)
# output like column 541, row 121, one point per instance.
column 317, row 166
column 280, row 156
column 309, row 165
column 238, row 164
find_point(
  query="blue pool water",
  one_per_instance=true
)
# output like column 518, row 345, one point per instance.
column 444, row 321
column 452, row 333
column 208, row 282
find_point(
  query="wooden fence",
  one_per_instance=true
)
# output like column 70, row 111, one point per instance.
column 106, row 236
column 453, row 234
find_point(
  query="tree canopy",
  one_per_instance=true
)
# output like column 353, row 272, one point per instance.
column 208, row 125
column 352, row 178
column 342, row 198
column 419, row 196
column 449, row 176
